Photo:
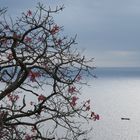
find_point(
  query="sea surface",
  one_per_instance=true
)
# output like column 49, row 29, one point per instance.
column 115, row 94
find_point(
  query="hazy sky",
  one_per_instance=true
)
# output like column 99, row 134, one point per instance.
column 108, row 30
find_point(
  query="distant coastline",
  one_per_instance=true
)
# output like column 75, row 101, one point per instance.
column 117, row 72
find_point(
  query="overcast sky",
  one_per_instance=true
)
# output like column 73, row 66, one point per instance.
column 108, row 30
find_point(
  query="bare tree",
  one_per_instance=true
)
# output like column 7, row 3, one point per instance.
column 41, row 74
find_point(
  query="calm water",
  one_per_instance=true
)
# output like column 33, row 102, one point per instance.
column 116, row 94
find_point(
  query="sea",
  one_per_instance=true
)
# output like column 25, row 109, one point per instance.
column 115, row 94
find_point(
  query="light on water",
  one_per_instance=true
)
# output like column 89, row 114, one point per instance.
column 116, row 95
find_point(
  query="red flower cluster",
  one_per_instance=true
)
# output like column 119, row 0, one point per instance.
column 3, row 41
column 12, row 97
column 16, row 36
column 28, row 39
column 40, row 39
column 10, row 56
column 34, row 75
column 73, row 101
column 55, row 29
column 78, row 78
column 87, row 105
column 29, row 13
column 59, row 42
column 72, row 89
column 33, row 129
column 94, row 116
column 41, row 98
column 88, row 108
column 28, row 137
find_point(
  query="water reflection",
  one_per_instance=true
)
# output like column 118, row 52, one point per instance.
column 115, row 97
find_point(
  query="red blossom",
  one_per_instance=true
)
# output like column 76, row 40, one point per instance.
column 55, row 29
column 29, row 13
column 88, row 108
column 92, row 114
column 73, row 100
column 41, row 98
column 78, row 78
column 16, row 36
column 3, row 41
column 95, row 116
column 10, row 56
column 40, row 39
column 34, row 75
column 12, row 97
column 72, row 89
column 58, row 42
column 33, row 129
column 28, row 137
column 86, row 104
column 28, row 39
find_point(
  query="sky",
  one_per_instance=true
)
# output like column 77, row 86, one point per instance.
column 107, row 30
